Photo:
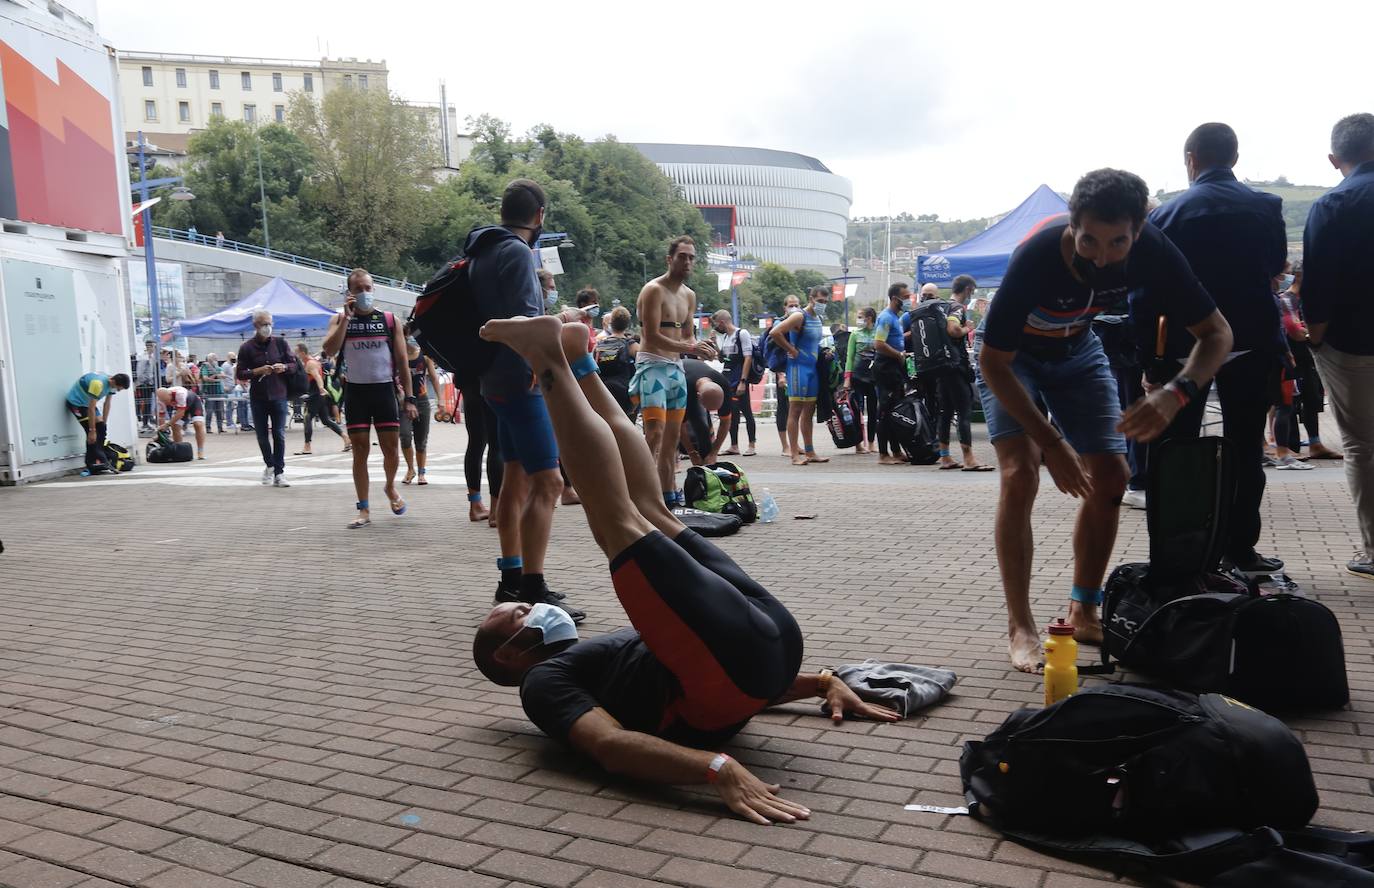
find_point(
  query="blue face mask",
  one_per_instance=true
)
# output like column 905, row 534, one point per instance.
column 551, row 298
column 553, row 622
column 363, row 301
column 593, row 311
column 1285, row 281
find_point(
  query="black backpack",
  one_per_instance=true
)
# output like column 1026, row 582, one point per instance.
column 1180, row 619
column 445, row 321
column 909, row 425
column 1141, row 763
column 163, row 449
column 756, row 366
column 297, row 382
column 613, row 360
column 930, row 342
column 845, row 424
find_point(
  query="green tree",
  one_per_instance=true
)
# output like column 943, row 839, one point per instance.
column 373, row 159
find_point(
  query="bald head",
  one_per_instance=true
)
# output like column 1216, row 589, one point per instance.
column 710, row 395
column 929, row 291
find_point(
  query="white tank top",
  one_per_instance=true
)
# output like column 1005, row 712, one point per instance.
column 367, row 349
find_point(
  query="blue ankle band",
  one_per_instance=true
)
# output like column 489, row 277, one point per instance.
column 474, row 497
column 1085, row 595
column 509, row 562
column 362, row 504
column 944, row 451
column 583, row 366
column 422, row 471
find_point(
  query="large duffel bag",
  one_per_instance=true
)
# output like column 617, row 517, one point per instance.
column 721, row 488
column 1139, row 762
column 1183, row 621
column 846, row 427
column 160, row 451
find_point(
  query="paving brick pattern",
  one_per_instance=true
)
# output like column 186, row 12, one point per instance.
column 205, row 683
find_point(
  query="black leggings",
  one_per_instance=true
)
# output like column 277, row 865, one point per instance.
column 865, row 402
column 732, row 646
column 780, row 412
column 317, row 406
column 891, row 389
column 481, row 423
column 743, row 406
column 955, row 397
column 95, row 453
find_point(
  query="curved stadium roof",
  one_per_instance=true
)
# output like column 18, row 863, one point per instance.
column 665, row 152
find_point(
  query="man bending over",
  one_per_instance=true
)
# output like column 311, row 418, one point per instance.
column 710, row 648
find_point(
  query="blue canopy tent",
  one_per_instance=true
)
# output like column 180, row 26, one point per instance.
column 291, row 310
column 985, row 255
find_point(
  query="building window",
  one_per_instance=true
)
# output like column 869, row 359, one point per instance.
column 348, row 80
column 362, row 81
column 309, row 83
column 147, row 76
column 246, row 80
column 276, row 83
column 250, row 113
column 184, row 111
column 149, row 109
column 216, row 109
column 214, row 79
column 279, row 112
column 181, row 78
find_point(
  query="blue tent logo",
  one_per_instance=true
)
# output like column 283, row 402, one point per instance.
column 935, row 268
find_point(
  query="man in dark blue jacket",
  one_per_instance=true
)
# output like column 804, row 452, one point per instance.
column 1338, row 298
column 505, row 285
column 1234, row 238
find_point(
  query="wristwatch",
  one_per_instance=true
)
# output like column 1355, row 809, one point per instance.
column 823, row 685
column 410, row 399
column 1183, row 387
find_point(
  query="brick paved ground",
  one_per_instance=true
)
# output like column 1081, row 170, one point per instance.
column 204, row 682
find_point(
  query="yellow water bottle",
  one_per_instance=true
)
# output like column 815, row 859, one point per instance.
column 1061, row 662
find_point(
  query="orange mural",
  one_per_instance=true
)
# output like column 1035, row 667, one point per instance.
column 58, row 161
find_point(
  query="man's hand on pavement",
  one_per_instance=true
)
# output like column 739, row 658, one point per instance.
column 754, row 800
column 843, row 701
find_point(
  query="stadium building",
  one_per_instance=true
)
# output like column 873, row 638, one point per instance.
column 774, row 205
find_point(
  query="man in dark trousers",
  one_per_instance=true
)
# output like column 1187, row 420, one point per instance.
column 504, row 281
column 1338, row 268
column 1234, row 238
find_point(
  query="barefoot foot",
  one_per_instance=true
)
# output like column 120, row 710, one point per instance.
column 477, row 511
column 1025, row 648
column 526, row 336
column 1087, row 625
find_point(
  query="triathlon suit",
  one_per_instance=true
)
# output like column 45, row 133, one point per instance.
column 415, row 432
column 803, row 382
column 720, row 648
column 659, row 386
column 182, row 397
column 370, row 397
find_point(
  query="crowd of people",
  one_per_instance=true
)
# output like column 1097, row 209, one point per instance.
column 1109, row 329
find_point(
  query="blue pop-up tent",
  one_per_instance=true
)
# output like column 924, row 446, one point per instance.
column 291, row 310
column 985, row 255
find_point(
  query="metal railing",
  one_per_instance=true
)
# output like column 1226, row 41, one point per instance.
column 177, row 234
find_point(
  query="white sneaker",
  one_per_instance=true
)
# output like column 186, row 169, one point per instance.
column 267, row 475
column 1292, row 463
column 1133, row 498
column 280, row 481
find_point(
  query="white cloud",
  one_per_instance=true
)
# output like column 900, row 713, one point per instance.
column 960, row 110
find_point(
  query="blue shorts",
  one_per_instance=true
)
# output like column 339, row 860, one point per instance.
column 803, row 382
column 524, row 432
column 1079, row 391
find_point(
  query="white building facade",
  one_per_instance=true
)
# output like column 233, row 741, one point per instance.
column 775, row 205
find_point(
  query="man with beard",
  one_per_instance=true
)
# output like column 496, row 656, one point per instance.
column 1037, row 348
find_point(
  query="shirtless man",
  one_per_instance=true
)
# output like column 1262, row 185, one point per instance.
column 667, row 309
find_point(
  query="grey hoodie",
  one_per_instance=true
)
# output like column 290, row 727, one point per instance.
column 896, row 685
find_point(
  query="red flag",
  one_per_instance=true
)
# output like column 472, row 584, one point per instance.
column 739, row 278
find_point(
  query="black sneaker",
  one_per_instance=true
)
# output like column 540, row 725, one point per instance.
column 1361, row 567
column 1256, row 564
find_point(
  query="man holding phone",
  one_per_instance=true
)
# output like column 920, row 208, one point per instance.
column 373, row 351
column 265, row 359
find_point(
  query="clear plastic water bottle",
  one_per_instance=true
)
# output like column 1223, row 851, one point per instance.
column 768, row 507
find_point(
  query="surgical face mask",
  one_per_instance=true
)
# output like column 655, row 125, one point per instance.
column 552, row 622
column 1285, row 281
column 363, row 301
column 265, row 331
column 551, row 298
column 593, row 311
column 792, row 309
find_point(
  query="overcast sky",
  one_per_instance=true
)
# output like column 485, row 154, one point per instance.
column 960, row 111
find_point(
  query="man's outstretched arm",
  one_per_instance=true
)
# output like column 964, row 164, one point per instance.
column 841, row 697
column 645, row 757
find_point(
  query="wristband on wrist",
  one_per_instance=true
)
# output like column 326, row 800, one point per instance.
column 1184, row 388
column 1178, row 393
column 823, row 684
column 713, row 769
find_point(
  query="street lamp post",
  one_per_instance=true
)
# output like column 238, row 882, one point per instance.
column 734, row 288
column 145, row 186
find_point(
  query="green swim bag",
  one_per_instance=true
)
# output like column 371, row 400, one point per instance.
column 720, row 487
